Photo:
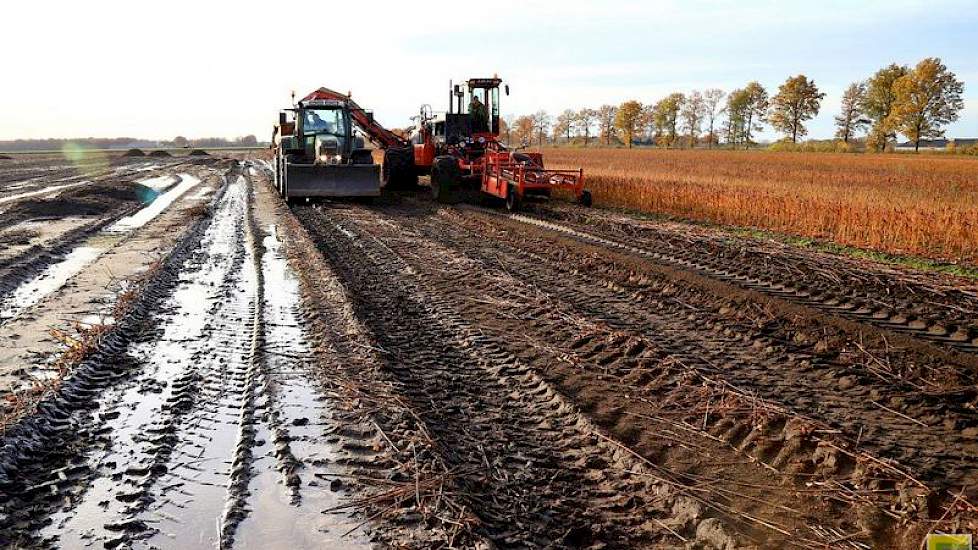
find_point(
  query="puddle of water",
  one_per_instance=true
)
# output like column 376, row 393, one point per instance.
column 159, row 183
column 187, row 351
column 156, row 207
column 57, row 275
column 279, row 520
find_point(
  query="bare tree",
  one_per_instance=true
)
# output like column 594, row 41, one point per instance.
column 564, row 125
column 606, row 122
column 585, row 121
column 541, row 124
column 712, row 99
column 692, row 113
column 506, row 127
column 851, row 119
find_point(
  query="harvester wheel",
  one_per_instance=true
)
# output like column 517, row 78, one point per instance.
column 398, row 171
column 585, row 199
column 512, row 199
column 445, row 178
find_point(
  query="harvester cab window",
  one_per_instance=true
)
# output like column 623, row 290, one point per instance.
column 478, row 109
column 494, row 112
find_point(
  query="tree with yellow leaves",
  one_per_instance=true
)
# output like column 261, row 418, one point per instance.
column 798, row 100
column 925, row 100
column 627, row 120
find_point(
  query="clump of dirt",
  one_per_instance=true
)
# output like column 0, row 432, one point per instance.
column 95, row 200
column 199, row 153
column 126, row 192
column 134, row 153
column 18, row 237
column 160, row 154
column 6, row 157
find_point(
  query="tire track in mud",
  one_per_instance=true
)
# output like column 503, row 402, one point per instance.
column 735, row 349
column 189, row 436
column 532, row 469
column 707, row 345
column 901, row 313
column 42, row 462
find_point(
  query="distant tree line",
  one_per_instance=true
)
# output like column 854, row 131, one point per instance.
column 126, row 143
column 917, row 102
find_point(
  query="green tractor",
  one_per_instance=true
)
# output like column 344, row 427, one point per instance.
column 318, row 154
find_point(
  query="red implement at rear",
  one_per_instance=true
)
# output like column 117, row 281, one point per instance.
column 505, row 173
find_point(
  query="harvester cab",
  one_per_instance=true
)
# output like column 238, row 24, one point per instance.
column 319, row 154
column 470, row 124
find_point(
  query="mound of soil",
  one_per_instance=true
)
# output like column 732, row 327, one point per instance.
column 18, row 237
column 92, row 201
column 160, row 154
column 199, row 153
column 134, row 153
column 5, row 157
column 127, row 192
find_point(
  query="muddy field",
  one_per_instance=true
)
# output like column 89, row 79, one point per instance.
column 412, row 375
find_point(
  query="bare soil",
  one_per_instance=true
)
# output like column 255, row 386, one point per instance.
column 414, row 375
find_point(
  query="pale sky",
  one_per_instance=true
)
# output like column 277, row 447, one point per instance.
column 224, row 68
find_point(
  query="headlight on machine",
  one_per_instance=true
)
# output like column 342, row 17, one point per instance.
column 328, row 151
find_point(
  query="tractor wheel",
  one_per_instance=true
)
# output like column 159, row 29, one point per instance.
column 398, row 171
column 445, row 179
column 512, row 199
column 585, row 199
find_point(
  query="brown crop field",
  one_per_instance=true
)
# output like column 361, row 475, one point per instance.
column 919, row 205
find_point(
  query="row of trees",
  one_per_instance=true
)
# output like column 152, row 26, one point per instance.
column 124, row 143
column 917, row 102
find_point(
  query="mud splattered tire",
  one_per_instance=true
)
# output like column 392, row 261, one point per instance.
column 586, row 199
column 513, row 201
column 398, row 171
column 445, row 178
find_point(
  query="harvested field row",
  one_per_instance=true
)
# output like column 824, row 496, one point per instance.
column 898, row 204
column 731, row 366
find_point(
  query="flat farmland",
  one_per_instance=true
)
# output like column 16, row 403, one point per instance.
column 189, row 361
column 920, row 205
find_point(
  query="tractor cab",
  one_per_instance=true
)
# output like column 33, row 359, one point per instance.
column 324, row 132
column 318, row 154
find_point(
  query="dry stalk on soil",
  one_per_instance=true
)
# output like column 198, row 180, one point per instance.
column 78, row 341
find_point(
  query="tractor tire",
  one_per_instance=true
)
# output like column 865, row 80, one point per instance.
column 513, row 201
column 398, row 171
column 586, row 199
column 445, row 179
